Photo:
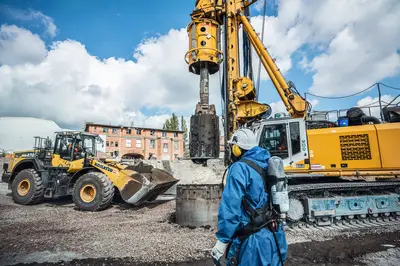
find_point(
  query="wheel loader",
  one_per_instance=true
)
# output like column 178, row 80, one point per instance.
column 70, row 167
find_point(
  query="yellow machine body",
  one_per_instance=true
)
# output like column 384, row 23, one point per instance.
column 322, row 159
column 354, row 152
column 204, row 45
column 18, row 156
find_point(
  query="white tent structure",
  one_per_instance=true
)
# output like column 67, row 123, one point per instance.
column 17, row 133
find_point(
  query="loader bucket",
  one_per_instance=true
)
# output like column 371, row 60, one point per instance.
column 145, row 183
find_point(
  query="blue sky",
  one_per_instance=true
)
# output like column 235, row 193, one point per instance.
column 115, row 29
column 107, row 28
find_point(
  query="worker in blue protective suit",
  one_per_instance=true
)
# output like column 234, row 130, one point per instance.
column 243, row 181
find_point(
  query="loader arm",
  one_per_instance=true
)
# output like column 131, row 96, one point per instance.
column 136, row 184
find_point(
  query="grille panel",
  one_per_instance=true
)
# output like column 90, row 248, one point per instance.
column 355, row 147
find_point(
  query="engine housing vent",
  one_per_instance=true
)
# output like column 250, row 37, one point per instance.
column 355, row 147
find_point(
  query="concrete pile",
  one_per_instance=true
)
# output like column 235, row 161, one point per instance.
column 190, row 173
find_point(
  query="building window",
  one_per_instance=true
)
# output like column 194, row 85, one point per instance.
column 128, row 143
column 112, row 144
column 176, row 145
column 107, row 143
column 152, row 132
column 165, row 147
column 175, row 134
column 128, row 131
column 115, row 130
column 295, row 137
column 105, row 129
column 116, row 144
column 138, row 132
column 94, row 129
column 138, row 143
column 164, row 134
column 152, row 144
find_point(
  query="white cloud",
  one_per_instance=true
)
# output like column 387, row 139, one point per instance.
column 70, row 86
column 356, row 42
column 371, row 105
column 138, row 119
column 305, row 64
column 14, row 49
column 32, row 16
column 279, row 107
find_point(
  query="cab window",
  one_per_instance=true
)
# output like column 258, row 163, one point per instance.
column 295, row 137
column 274, row 139
column 63, row 147
column 89, row 144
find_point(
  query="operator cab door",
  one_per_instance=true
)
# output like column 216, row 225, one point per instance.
column 63, row 153
column 286, row 139
column 67, row 152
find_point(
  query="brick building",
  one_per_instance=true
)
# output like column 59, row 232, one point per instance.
column 138, row 142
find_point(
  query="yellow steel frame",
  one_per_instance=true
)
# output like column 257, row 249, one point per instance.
column 242, row 110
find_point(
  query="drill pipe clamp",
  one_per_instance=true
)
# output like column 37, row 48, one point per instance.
column 197, row 49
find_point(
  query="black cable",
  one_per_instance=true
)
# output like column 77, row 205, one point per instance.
column 342, row 97
column 393, row 101
column 380, row 101
column 394, row 88
column 226, row 94
column 277, row 246
column 262, row 40
column 223, row 178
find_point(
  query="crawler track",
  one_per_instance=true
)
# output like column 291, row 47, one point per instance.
column 342, row 186
column 303, row 192
column 344, row 225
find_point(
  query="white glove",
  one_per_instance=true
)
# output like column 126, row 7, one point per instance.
column 218, row 251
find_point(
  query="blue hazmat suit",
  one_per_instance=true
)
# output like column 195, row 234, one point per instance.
column 259, row 249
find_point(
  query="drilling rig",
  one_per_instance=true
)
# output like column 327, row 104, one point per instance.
column 336, row 173
column 204, row 58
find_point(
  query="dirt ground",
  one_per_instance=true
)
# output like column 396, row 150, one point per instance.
column 55, row 231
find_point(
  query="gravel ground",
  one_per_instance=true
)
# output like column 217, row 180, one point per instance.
column 124, row 235
column 143, row 234
column 389, row 257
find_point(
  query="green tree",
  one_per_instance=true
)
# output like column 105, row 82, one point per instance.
column 172, row 123
column 185, row 136
column 166, row 124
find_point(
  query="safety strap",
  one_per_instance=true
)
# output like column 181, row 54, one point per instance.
column 268, row 180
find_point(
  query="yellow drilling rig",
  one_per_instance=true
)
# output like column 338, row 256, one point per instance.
column 335, row 172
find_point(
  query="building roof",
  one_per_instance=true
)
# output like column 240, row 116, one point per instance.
column 17, row 133
column 87, row 124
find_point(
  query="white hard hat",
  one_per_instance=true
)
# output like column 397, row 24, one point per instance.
column 244, row 138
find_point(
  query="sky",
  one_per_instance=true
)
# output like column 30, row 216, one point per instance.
column 122, row 62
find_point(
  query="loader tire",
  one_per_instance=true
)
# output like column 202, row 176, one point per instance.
column 27, row 187
column 93, row 191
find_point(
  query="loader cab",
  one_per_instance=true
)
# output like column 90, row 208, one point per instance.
column 72, row 146
column 285, row 138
